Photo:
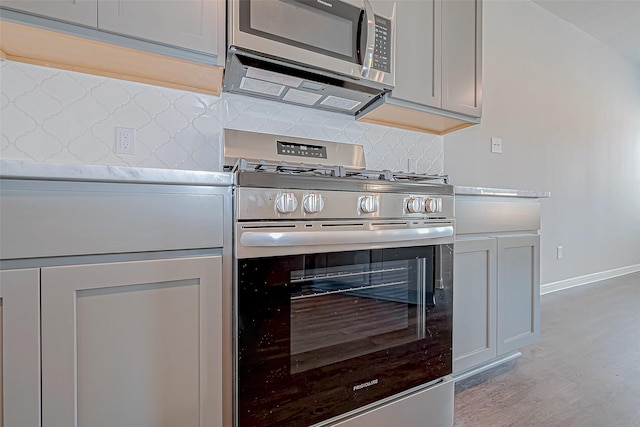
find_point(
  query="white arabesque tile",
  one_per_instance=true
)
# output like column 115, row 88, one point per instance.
column 62, row 116
column 63, row 89
column 39, row 145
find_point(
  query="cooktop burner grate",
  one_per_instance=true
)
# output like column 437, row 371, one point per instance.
column 304, row 169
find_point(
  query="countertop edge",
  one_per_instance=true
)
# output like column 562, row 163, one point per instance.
column 19, row 169
column 502, row 192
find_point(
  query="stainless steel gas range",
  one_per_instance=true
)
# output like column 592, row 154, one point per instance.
column 342, row 288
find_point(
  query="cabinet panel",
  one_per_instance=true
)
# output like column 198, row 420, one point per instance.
column 133, row 343
column 518, row 292
column 83, row 12
column 192, row 24
column 418, row 52
column 19, row 348
column 474, row 303
column 462, row 56
column 43, row 219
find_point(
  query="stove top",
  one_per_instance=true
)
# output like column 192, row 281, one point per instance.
column 282, row 178
column 310, row 170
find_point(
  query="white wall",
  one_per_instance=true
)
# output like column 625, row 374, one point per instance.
column 568, row 111
column 55, row 116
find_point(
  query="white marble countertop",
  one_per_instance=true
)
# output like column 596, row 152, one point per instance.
column 502, row 192
column 76, row 172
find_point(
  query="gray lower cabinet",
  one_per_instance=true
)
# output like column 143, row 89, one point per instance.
column 518, row 292
column 20, row 347
column 474, row 302
column 132, row 343
column 496, row 297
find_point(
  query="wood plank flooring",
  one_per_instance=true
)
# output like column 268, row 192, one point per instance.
column 584, row 372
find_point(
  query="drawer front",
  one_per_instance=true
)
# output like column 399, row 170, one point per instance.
column 496, row 215
column 44, row 219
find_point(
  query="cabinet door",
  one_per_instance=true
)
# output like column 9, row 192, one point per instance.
column 518, row 292
column 462, row 56
column 132, row 344
column 474, row 303
column 20, row 347
column 83, row 12
column 417, row 57
column 193, row 24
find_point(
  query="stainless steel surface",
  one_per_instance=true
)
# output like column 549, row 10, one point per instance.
column 260, row 203
column 367, row 62
column 291, row 205
column 282, row 79
column 263, row 239
column 302, row 76
column 428, row 406
column 494, row 215
column 306, row 58
column 261, row 146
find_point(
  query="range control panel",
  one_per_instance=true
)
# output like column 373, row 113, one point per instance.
column 302, row 150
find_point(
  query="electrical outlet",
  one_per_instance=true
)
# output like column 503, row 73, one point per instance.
column 125, row 141
column 496, row 145
column 559, row 252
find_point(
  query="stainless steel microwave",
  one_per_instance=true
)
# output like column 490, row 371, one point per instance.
column 350, row 43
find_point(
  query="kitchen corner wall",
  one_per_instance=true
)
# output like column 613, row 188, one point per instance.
column 568, row 111
column 48, row 115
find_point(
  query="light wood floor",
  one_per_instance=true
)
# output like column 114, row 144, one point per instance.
column 584, row 372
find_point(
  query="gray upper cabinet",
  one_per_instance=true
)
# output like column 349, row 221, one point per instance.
column 186, row 29
column 462, row 56
column 438, row 67
column 20, row 347
column 439, row 54
column 82, row 12
column 192, row 24
column 418, row 71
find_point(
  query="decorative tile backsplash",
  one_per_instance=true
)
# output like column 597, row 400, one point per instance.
column 49, row 115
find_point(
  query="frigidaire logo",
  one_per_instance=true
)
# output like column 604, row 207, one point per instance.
column 365, row 385
column 324, row 3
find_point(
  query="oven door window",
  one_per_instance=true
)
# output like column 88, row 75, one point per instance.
column 323, row 334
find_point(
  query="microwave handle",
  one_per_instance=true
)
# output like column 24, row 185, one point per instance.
column 370, row 21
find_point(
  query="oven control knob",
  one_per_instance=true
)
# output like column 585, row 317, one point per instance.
column 433, row 205
column 313, row 203
column 369, row 204
column 415, row 204
column 286, row 202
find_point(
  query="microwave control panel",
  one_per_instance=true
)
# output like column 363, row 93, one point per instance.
column 382, row 50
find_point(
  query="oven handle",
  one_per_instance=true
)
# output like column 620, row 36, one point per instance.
column 346, row 237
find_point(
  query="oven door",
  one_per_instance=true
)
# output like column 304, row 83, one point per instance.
column 321, row 334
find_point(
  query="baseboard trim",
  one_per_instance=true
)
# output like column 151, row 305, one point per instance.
column 492, row 364
column 586, row 279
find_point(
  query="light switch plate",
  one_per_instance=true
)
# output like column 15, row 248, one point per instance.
column 496, row 145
